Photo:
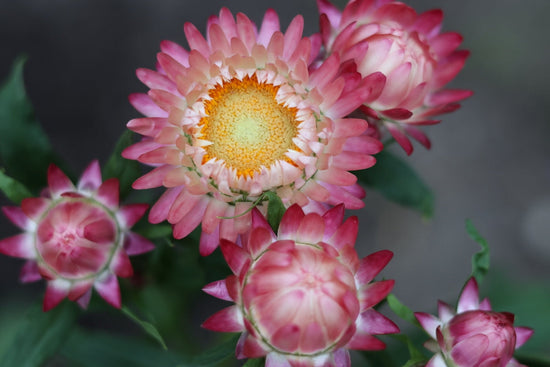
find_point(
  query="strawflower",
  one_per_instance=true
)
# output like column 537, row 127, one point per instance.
column 302, row 297
column 416, row 59
column 474, row 335
column 76, row 237
column 241, row 114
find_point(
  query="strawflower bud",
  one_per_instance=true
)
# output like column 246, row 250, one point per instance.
column 302, row 297
column 475, row 335
column 76, row 237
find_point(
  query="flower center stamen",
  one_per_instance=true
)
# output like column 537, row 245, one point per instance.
column 246, row 125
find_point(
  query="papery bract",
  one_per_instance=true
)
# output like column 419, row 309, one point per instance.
column 76, row 237
column 302, row 297
column 408, row 48
column 241, row 114
column 474, row 335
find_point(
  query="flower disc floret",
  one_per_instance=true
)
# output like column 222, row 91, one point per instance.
column 415, row 58
column 242, row 114
column 302, row 297
column 474, row 335
column 76, row 237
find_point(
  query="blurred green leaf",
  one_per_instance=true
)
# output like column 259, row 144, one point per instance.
column 146, row 326
column 480, row 260
column 255, row 362
column 40, row 335
column 398, row 182
column 25, row 150
column 92, row 349
column 275, row 210
column 214, row 356
column 401, row 310
column 127, row 171
column 13, row 189
column 417, row 358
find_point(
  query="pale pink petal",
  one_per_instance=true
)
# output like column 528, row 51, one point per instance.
column 91, row 178
column 227, row 320
column 135, row 244
column 109, row 290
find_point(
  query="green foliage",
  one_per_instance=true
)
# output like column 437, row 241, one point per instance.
column 40, row 336
column 256, row 362
column 146, row 326
column 127, row 171
column 25, row 150
column 417, row 358
column 401, row 310
column 480, row 260
column 275, row 210
column 214, row 356
column 92, row 349
column 13, row 189
column 398, row 182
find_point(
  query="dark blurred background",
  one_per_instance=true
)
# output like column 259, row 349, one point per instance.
column 489, row 161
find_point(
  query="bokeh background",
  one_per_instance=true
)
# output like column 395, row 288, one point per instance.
column 490, row 160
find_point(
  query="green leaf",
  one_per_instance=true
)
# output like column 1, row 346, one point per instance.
column 40, row 335
column 146, row 326
column 127, row 171
column 255, row 362
column 92, row 349
column 401, row 310
column 214, row 356
column 13, row 189
column 25, row 150
column 480, row 260
column 398, row 182
column 275, row 210
column 417, row 358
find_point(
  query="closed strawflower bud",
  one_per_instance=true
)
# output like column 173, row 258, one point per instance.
column 302, row 297
column 76, row 237
column 415, row 59
column 479, row 338
column 474, row 336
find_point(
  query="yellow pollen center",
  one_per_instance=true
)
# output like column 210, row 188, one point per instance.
column 246, row 125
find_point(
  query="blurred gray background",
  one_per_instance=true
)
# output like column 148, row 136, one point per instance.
column 489, row 160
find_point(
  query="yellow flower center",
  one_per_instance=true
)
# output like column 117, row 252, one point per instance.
column 247, row 126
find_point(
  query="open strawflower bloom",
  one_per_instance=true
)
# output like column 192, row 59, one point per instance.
column 415, row 58
column 474, row 335
column 253, row 148
column 302, row 297
column 76, row 237
column 242, row 114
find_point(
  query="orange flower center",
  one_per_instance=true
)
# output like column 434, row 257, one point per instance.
column 246, row 125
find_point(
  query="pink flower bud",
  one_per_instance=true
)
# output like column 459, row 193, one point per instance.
column 76, row 237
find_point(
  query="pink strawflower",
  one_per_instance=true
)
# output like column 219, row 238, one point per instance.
column 76, row 237
column 408, row 48
column 302, row 297
column 240, row 115
column 474, row 335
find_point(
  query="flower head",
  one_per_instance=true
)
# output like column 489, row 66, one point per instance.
column 302, row 297
column 408, row 48
column 76, row 237
column 241, row 114
column 474, row 335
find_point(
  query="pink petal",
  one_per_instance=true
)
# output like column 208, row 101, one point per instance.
column 331, row 11
column 468, row 352
column 333, row 218
column 218, row 289
column 522, row 335
column 148, row 126
column 156, row 80
column 429, row 23
column 400, row 137
column 346, row 234
column 373, row 322
column 55, row 292
column 418, row 136
column 58, row 182
column 91, row 178
column 35, row 207
column 209, row 241
column 79, row 289
column 101, row 231
column 160, row 209
column 145, row 105
column 84, row 301
column 445, row 311
column 353, row 161
column 445, row 43
column 447, row 96
column 29, row 272
column 135, row 244
column 121, row 265
column 109, row 290
column 107, row 193
column 175, row 51
column 397, row 113
column 311, row 229
column 252, row 347
column 227, row 320
column 129, row 215
column 259, row 240
column 16, row 215
column 270, row 24
column 342, row 358
column 196, row 40
column 190, row 221
column 290, row 222
column 373, row 293
column 372, row 264
column 429, row 322
column 365, row 342
column 469, row 298
column 437, row 361
column 235, row 256
column 21, row 245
